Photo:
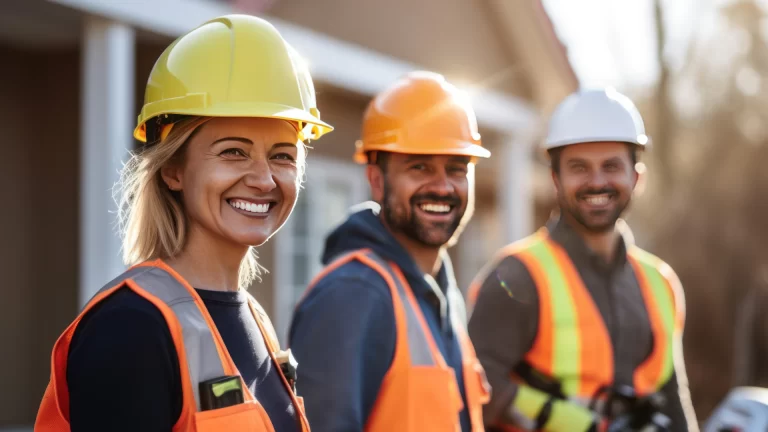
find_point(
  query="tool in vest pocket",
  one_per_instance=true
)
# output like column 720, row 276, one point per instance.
column 221, row 392
column 288, row 365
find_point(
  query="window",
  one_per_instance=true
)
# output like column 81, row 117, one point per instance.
column 481, row 239
column 331, row 188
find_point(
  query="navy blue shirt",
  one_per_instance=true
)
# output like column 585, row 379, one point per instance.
column 123, row 369
column 343, row 334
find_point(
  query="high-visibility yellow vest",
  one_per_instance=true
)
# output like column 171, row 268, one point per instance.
column 572, row 345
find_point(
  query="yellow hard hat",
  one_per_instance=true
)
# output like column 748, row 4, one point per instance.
column 231, row 66
column 420, row 113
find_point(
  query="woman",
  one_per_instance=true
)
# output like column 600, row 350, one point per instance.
column 176, row 343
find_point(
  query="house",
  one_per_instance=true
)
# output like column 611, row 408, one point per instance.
column 72, row 84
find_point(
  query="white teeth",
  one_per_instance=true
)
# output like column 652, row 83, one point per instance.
column 597, row 199
column 250, row 207
column 436, row 208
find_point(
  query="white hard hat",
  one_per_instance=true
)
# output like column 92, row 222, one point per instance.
column 595, row 115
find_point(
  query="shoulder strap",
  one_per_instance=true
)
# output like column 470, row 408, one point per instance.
column 508, row 250
column 657, row 265
column 418, row 338
column 197, row 341
column 336, row 263
column 572, row 343
column 656, row 280
column 279, row 358
column 262, row 318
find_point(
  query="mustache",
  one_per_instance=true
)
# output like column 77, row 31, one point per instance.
column 609, row 191
column 452, row 200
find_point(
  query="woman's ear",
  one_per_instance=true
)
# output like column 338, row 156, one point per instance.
column 172, row 176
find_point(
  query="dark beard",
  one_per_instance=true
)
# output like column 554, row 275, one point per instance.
column 431, row 235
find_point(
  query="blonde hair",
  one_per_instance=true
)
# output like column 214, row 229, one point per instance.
column 151, row 217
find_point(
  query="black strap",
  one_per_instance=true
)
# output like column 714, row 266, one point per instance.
column 539, row 381
column 154, row 125
column 544, row 414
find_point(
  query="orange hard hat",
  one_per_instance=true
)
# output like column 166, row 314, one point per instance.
column 420, row 113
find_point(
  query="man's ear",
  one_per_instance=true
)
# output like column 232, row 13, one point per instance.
column 171, row 174
column 555, row 181
column 376, row 181
column 641, row 178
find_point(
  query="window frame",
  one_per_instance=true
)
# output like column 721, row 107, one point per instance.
column 321, row 174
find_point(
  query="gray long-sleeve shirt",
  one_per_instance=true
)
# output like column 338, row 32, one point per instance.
column 503, row 327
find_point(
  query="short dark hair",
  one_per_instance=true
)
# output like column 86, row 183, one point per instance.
column 379, row 158
column 556, row 153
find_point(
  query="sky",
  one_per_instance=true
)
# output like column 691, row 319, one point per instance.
column 613, row 42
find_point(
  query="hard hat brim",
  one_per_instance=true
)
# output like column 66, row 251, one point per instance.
column 583, row 140
column 437, row 147
column 236, row 109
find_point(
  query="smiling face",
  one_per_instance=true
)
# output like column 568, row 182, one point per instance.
column 238, row 178
column 595, row 183
column 423, row 197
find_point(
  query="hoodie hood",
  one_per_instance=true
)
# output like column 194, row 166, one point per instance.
column 363, row 229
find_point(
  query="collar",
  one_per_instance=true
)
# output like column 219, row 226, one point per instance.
column 581, row 254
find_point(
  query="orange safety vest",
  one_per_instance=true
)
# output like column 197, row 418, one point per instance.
column 419, row 392
column 201, row 351
column 572, row 345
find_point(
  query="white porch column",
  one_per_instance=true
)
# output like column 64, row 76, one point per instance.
column 107, row 112
column 515, row 188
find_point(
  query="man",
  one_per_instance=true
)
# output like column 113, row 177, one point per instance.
column 380, row 335
column 576, row 327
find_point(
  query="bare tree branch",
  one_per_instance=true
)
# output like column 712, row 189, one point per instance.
column 662, row 135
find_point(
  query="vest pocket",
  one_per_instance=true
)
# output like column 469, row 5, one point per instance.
column 434, row 401
column 248, row 416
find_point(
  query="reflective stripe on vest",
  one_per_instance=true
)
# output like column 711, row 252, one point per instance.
column 424, row 352
column 655, row 278
column 419, row 391
column 419, row 342
column 202, row 353
column 572, row 344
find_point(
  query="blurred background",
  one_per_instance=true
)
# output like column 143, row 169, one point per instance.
column 72, row 80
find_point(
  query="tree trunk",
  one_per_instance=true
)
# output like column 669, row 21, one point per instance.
column 665, row 116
